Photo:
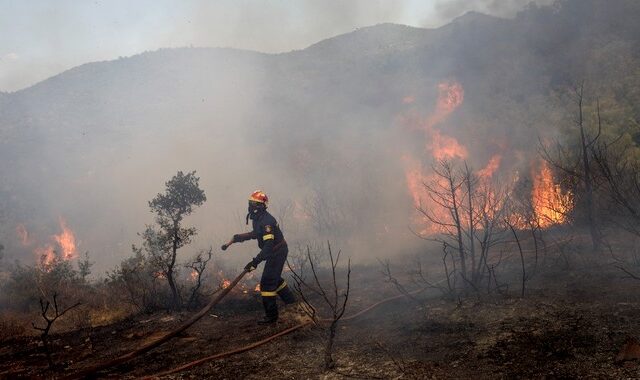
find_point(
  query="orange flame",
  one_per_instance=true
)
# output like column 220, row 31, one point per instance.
column 445, row 147
column 257, row 288
column 440, row 147
column 46, row 256
column 66, row 240
column 194, row 275
column 23, row 234
column 450, row 97
column 226, row 283
column 492, row 166
column 550, row 203
column 413, row 176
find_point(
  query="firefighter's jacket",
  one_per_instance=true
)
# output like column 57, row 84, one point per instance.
column 268, row 234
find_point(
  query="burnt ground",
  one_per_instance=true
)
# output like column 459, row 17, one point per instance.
column 570, row 324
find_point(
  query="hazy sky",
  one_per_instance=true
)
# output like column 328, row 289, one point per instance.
column 41, row 38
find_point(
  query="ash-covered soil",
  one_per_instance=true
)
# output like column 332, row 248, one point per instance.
column 570, row 324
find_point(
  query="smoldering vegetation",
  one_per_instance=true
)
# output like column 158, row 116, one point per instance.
column 480, row 159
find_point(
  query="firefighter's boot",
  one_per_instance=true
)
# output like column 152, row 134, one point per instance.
column 270, row 310
column 286, row 294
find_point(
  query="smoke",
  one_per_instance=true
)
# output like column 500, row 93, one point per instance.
column 277, row 26
column 322, row 131
column 449, row 9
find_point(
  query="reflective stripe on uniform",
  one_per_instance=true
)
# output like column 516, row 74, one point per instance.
column 282, row 286
column 268, row 237
column 275, row 292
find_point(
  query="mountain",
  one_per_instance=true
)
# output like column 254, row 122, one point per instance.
column 323, row 126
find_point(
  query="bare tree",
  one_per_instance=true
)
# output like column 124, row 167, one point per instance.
column 621, row 174
column 467, row 213
column 580, row 167
column 522, row 263
column 330, row 292
column 198, row 266
column 50, row 320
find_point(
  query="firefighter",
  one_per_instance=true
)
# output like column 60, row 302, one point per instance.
column 273, row 251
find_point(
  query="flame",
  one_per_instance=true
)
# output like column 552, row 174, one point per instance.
column 160, row 275
column 46, row 256
column 66, row 240
column 23, row 234
column 492, row 166
column 440, row 147
column 257, row 288
column 194, row 275
column 445, row 147
column 414, row 178
column 550, row 203
column 450, row 97
column 226, row 283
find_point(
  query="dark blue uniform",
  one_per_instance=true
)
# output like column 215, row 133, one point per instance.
column 273, row 250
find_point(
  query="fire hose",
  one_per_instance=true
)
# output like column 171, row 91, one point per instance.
column 163, row 339
column 272, row 337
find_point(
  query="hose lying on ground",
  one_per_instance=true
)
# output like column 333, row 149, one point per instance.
column 231, row 352
column 272, row 337
column 155, row 343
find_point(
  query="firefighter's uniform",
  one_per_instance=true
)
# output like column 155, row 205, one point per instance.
column 273, row 250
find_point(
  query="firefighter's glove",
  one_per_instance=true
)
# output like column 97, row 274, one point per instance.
column 237, row 238
column 251, row 266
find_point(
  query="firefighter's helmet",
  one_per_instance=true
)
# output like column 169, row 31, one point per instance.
column 257, row 204
column 260, row 197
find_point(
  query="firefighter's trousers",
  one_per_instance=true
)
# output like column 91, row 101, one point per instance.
column 272, row 284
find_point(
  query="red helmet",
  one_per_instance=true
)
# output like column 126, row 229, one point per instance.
column 259, row 196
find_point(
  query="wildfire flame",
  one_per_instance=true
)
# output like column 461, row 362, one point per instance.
column 413, row 176
column 450, row 97
column 46, row 256
column 226, row 283
column 439, row 146
column 492, row 167
column 257, row 288
column 194, row 275
column 66, row 240
column 445, row 147
column 550, row 203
